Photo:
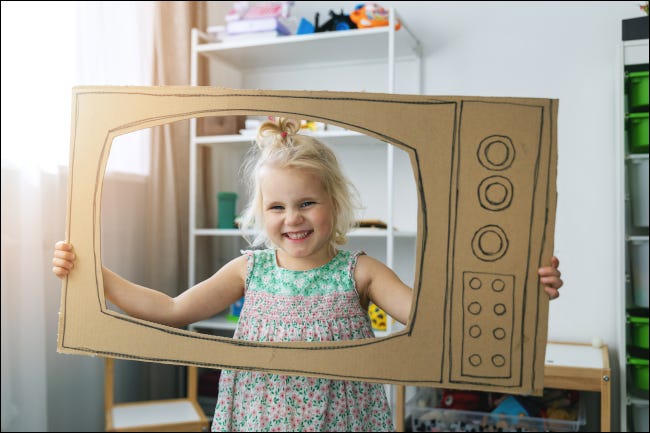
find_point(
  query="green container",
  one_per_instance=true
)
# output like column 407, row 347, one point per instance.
column 637, row 132
column 226, row 207
column 639, row 368
column 639, row 331
column 637, row 90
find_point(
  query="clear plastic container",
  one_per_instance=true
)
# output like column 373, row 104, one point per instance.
column 638, row 172
column 639, row 260
column 640, row 416
column 427, row 419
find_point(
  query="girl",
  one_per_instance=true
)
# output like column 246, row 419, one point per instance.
column 301, row 287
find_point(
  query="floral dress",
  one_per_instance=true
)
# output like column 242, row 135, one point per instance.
column 320, row 304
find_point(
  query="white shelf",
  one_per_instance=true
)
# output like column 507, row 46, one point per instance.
column 332, row 137
column 358, row 45
column 579, row 356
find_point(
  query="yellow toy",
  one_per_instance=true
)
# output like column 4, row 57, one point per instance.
column 377, row 317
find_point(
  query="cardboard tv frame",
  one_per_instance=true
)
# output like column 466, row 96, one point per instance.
column 485, row 171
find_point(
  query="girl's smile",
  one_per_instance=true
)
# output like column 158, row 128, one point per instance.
column 298, row 236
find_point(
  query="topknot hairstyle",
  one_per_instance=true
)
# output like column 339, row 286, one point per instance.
column 279, row 145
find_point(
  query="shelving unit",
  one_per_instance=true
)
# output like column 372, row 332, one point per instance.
column 633, row 56
column 354, row 46
column 313, row 53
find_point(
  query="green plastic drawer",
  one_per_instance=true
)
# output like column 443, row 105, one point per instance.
column 637, row 90
column 637, row 132
column 639, row 330
column 639, row 369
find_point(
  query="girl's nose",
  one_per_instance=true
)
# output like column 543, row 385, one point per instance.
column 294, row 217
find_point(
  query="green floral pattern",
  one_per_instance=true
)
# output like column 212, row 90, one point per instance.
column 320, row 304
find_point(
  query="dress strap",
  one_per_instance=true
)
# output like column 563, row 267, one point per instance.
column 352, row 264
column 250, row 263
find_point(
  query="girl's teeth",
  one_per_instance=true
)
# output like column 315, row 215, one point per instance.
column 301, row 235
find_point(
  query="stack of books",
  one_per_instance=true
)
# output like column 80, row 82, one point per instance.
column 259, row 21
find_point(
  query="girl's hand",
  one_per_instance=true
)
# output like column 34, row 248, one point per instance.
column 549, row 276
column 63, row 260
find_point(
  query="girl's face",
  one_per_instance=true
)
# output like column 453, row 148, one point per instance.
column 298, row 217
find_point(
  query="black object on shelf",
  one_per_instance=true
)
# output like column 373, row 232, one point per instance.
column 336, row 22
column 635, row 28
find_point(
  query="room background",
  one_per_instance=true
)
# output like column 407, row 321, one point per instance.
column 557, row 50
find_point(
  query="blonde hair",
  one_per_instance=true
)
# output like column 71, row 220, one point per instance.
column 279, row 145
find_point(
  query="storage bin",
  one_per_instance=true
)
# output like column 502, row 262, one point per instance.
column 639, row 269
column 639, row 369
column 638, row 178
column 637, row 90
column 435, row 419
column 226, row 203
column 638, row 326
column 640, row 416
column 637, row 132
column 428, row 419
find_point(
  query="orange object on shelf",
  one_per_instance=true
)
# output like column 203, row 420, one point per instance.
column 371, row 15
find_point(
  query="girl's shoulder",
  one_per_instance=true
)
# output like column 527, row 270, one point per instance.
column 253, row 258
column 257, row 255
column 366, row 263
column 366, row 267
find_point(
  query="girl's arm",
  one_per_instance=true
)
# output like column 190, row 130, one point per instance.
column 379, row 284
column 199, row 302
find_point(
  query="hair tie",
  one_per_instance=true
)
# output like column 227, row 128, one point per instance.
column 284, row 134
column 271, row 118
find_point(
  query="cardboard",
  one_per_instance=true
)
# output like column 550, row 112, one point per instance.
column 485, row 170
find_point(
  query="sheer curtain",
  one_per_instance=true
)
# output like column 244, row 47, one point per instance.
column 46, row 49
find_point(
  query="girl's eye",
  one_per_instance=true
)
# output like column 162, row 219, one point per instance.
column 307, row 204
column 276, row 208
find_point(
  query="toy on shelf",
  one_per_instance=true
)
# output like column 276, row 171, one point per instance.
column 560, row 404
column 371, row 15
column 378, row 317
column 309, row 126
column 510, row 405
column 336, row 22
column 464, row 400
